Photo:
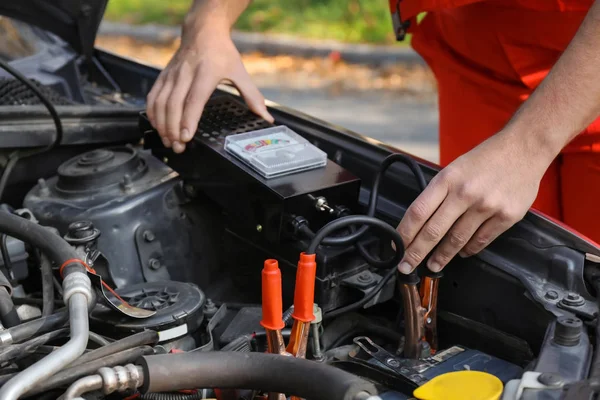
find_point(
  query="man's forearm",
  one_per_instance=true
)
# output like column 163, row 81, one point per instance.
column 220, row 13
column 568, row 100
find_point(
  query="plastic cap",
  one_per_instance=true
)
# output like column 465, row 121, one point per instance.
column 272, row 307
column 304, row 293
column 461, row 385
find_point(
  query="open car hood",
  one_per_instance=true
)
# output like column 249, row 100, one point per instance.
column 75, row 21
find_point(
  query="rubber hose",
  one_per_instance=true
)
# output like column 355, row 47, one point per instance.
column 31, row 328
column 171, row 396
column 268, row 372
column 47, row 285
column 15, row 351
column 98, row 339
column 71, row 374
column 139, row 339
column 8, row 312
column 49, row 243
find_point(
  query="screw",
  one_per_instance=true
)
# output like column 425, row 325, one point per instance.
column 551, row 295
column 573, row 299
column 44, row 189
column 365, row 277
column 149, row 236
column 259, row 228
column 154, row 264
column 392, row 362
column 126, row 183
column 550, row 379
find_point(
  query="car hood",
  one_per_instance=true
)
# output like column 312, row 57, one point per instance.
column 75, row 21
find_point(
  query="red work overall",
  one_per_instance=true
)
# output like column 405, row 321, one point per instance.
column 488, row 56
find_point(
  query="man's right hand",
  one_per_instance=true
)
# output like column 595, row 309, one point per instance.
column 205, row 57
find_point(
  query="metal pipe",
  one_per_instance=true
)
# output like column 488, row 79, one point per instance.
column 54, row 362
column 83, row 385
column 414, row 316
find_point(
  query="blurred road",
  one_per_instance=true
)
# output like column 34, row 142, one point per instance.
column 404, row 122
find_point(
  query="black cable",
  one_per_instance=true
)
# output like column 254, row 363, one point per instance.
column 17, row 351
column 148, row 337
column 386, row 163
column 71, row 374
column 364, row 220
column 35, row 327
column 14, row 157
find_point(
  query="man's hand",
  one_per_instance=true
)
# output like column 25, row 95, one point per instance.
column 205, row 57
column 472, row 201
column 484, row 192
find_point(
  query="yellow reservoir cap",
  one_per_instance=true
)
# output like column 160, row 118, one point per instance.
column 461, row 385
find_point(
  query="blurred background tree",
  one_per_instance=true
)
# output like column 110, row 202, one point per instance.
column 366, row 21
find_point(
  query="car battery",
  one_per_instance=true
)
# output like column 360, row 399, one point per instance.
column 260, row 174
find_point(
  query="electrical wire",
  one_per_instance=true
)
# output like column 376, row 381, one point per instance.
column 17, row 155
column 356, row 234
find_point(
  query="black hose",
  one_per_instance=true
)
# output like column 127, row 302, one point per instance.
column 8, row 312
column 49, row 243
column 98, row 339
column 71, row 374
column 359, row 304
column 268, row 372
column 5, row 254
column 171, row 396
column 17, row 351
column 139, row 339
column 47, row 285
column 355, row 220
column 35, row 327
column 14, row 157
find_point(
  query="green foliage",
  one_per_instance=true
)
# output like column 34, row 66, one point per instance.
column 343, row 20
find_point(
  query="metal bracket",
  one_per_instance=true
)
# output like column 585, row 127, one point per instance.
column 150, row 254
column 530, row 380
column 210, row 326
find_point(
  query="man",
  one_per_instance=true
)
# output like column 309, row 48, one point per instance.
column 519, row 91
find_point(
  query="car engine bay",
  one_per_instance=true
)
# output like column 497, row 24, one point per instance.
column 132, row 272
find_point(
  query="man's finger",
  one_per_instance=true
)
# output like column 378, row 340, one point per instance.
column 453, row 242
column 430, row 235
column 160, row 107
column 174, row 107
column 199, row 93
column 485, row 235
column 151, row 98
column 421, row 210
column 254, row 98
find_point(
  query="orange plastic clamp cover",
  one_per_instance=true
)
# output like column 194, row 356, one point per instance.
column 272, row 307
column 304, row 294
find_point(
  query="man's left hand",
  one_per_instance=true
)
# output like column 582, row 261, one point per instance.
column 472, row 201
